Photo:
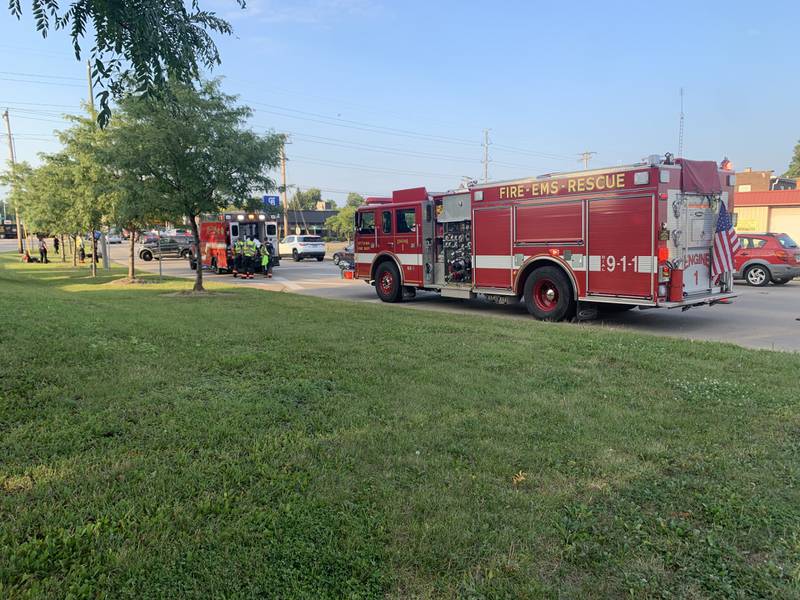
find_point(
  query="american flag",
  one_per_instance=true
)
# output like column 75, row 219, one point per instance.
column 726, row 243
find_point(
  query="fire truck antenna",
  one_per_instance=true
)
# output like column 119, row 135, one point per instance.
column 680, row 129
column 486, row 143
column 586, row 157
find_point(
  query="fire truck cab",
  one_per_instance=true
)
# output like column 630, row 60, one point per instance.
column 217, row 237
column 638, row 235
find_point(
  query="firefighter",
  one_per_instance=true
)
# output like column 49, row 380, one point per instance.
column 238, row 246
column 266, row 265
column 249, row 252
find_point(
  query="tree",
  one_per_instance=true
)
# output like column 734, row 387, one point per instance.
column 305, row 200
column 134, row 209
column 17, row 179
column 342, row 223
column 147, row 41
column 71, row 191
column 794, row 166
column 84, row 178
column 354, row 199
column 190, row 149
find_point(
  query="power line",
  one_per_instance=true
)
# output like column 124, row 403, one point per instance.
column 532, row 152
column 368, row 128
column 324, row 162
column 28, row 118
column 41, row 82
column 17, row 74
column 388, row 129
column 36, row 104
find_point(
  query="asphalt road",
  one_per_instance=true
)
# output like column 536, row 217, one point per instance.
column 766, row 317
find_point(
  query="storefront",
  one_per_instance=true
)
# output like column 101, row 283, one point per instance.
column 775, row 211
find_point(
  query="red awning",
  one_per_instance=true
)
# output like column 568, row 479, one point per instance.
column 770, row 198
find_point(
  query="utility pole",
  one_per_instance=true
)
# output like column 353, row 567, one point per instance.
column 680, row 130
column 91, row 88
column 486, row 155
column 13, row 160
column 586, row 157
column 284, row 191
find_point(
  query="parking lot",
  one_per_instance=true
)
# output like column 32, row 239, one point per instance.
column 766, row 317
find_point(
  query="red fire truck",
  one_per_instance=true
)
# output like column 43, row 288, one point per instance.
column 638, row 235
column 217, row 237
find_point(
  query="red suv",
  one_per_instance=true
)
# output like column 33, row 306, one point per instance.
column 766, row 257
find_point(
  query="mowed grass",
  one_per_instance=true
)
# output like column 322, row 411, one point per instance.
column 254, row 444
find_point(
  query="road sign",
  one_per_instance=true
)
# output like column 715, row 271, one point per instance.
column 272, row 201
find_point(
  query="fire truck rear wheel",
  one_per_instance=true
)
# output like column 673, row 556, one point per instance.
column 548, row 294
column 387, row 282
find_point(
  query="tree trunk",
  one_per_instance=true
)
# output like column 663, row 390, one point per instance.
column 73, row 247
column 94, row 254
column 198, row 273
column 63, row 250
column 132, row 259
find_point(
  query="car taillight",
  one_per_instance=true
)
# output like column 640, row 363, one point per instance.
column 783, row 255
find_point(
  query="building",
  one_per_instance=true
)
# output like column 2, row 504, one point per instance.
column 774, row 211
column 762, row 181
column 308, row 221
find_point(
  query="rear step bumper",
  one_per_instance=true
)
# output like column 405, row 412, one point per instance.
column 689, row 302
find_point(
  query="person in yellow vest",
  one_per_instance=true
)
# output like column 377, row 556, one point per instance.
column 249, row 252
column 238, row 246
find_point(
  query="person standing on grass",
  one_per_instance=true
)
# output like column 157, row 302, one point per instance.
column 81, row 250
column 43, row 251
column 56, row 244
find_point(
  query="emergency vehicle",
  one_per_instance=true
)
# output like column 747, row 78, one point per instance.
column 218, row 235
column 564, row 243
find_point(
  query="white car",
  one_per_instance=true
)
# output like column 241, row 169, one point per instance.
column 302, row 246
column 114, row 238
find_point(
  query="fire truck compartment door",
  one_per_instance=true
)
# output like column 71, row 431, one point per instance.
column 699, row 221
column 491, row 248
column 621, row 247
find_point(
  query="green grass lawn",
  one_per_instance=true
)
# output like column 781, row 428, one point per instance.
column 260, row 444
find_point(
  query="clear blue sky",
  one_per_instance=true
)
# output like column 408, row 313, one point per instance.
column 382, row 95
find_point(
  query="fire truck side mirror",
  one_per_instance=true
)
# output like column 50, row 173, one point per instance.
column 428, row 213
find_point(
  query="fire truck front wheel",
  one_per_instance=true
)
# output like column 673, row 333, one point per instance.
column 387, row 282
column 548, row 294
